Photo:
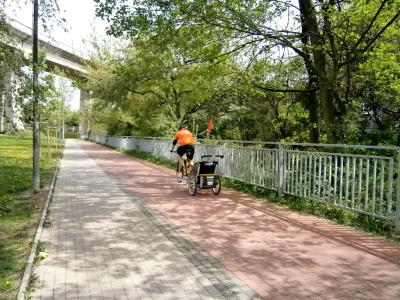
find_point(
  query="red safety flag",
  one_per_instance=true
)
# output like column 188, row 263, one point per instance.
column 209, row 126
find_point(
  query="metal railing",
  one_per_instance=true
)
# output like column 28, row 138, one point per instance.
column 363, row 182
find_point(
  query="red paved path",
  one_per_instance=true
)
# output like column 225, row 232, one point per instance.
column 279, row 253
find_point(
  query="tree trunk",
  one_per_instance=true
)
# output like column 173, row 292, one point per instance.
column 177, row 106
column 319, row 64
column 313, row 117
column 331, row 116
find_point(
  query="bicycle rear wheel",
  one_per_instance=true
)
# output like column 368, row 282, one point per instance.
column 192, row 184
column 217, row 188
column 179, row 172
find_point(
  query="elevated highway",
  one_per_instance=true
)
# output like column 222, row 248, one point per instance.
column 58, row 55
column 68, row 59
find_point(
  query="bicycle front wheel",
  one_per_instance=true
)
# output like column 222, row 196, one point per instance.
column 217, row 188
column 179, row 172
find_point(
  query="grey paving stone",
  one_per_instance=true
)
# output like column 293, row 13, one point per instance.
column 106, row 242
column 71, row 294
column 120, row 295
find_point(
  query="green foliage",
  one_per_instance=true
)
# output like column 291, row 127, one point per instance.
column 72, row 118
column 144, row 92
column 148, row 93
column 350, row 66
column 45, row 91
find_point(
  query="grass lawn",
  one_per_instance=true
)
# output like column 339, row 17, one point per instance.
column 70, row 135
column 20, row 208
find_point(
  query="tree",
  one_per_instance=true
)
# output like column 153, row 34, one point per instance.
column 72, row 118
column 329, row 36
column 46, row 87
column 153, row 84
column 65, row 93
column 11, row 60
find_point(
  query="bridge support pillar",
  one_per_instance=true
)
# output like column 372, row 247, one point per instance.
column 83, row 125
column 2, row 104
column 8, row 105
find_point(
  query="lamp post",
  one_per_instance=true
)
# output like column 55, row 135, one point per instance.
column 36, row 162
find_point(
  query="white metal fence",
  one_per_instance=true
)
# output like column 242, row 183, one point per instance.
column 332, row 174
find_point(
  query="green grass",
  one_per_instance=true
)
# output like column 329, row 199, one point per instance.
column 69, row 135
column 377, row 226
column 19, row 214
column 16, row 163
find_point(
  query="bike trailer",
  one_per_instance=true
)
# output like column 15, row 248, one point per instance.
column 206, row 176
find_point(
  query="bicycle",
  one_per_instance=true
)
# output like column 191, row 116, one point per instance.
column 203, row 176
column 182, row 172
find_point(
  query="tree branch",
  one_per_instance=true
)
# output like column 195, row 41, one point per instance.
column 281, row 90
column 369, row 27
column 146, row 93
column 372, row 40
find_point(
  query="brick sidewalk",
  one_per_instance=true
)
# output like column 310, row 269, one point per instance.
column 101, row 219
column 106, row 242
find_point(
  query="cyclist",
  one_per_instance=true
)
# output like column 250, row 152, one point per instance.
column 186, row 142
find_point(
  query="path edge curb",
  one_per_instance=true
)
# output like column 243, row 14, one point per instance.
column 28, row 269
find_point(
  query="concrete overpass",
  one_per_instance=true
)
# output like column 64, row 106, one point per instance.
column 71, row 61
column 68, row 59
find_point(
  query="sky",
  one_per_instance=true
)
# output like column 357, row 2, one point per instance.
column 80, row 15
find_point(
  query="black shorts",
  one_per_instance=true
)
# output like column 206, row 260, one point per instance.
column 182, row 150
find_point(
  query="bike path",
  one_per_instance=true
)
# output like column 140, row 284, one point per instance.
column 106, row 242
column 277, row 253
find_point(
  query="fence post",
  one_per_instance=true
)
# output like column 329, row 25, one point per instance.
column 397, row 220
column 281, row 170
column 223, row 161
column 153, row 147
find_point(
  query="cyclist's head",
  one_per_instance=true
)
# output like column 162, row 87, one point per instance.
column 183, row 126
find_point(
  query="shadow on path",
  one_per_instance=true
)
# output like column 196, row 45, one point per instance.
column 279, row 253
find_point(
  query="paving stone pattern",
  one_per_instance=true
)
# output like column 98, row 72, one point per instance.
column 277, row 252
column 106, row 242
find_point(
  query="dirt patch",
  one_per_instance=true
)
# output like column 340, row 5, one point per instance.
column 31, row 193
column 39, row 199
